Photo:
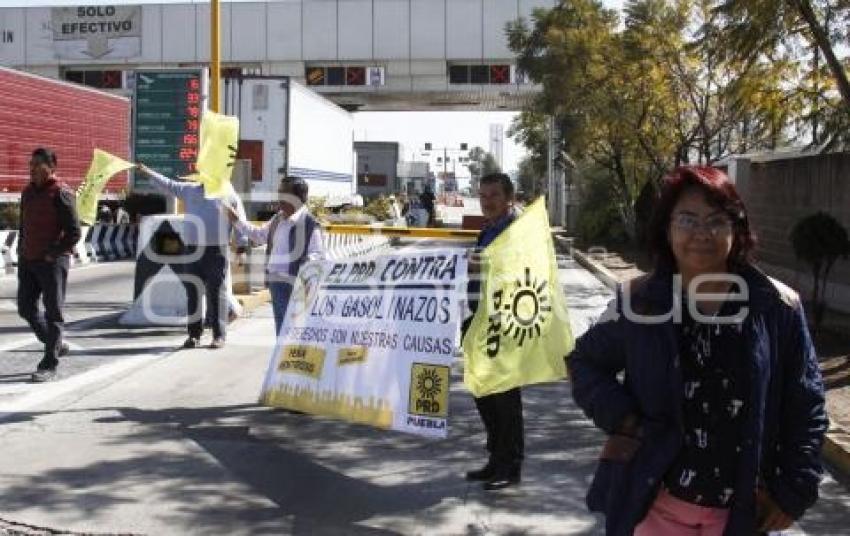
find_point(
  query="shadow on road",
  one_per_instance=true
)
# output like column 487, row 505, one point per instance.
column 310, row 475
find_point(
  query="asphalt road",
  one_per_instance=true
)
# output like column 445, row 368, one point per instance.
column 97, row 295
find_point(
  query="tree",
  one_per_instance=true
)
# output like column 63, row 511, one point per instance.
column 480, row 163
column 657, row 91
column 757, row 31
column 608, row 101
column 529, row 130
column 819, row 240
column 531, row 178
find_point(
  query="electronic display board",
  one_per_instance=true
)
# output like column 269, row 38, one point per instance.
column 166, row 122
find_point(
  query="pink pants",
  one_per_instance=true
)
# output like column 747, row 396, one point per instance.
column 670, row 516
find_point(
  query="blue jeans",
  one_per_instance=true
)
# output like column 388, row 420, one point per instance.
column 280, row 293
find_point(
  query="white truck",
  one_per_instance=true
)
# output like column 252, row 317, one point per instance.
column 287, row 129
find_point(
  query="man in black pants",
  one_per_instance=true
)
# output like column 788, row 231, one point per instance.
column 207, row 234
column 427, row 199
column 49, row 229
column 501, row 413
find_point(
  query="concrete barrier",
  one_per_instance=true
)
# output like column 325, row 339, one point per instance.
column 98, row 243
column 81, row 254
column 89, row 246
column 3, row 235
column 159, row 295
column 10, row 249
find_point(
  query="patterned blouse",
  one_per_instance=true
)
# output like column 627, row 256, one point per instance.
column 714, row 373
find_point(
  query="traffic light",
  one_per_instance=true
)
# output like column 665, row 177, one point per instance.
column 427, row 146
column 463, row 147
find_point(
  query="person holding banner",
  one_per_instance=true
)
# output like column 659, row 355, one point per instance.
column 49, row 229
column 704, row 376
column 500, row 412
column 207, row 242
column 292, row 237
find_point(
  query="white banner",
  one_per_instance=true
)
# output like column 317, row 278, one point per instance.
column 371, row 340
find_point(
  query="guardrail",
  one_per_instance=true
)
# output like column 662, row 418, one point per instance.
column 97, row 243
column 402, row 232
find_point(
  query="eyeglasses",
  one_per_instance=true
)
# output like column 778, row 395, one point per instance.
column 718, row 225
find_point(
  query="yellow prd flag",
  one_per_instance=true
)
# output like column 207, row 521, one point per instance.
column 219, row 140
column 103, row 167
column 521, row 332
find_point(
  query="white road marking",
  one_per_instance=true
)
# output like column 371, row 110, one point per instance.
column 74, row 269
column 40, row 393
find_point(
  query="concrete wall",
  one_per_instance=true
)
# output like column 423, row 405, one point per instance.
column 412, row 39
column 778, row 193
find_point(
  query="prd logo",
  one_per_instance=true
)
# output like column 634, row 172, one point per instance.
column 519, row 312
column 429, row 393
column 306, row 289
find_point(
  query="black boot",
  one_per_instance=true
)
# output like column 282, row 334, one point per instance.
column 485, row 473
column 503, row 478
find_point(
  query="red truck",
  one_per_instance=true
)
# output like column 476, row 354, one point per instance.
column 70, row 119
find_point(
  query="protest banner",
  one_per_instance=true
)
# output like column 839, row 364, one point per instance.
column 371, row 340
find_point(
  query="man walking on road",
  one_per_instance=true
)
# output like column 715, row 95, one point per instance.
column 49, row 229
column 501, row 413
column 207, row 238
column 292, row 237
column 427, row 199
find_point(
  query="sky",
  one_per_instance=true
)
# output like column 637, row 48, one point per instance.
column 411, row 129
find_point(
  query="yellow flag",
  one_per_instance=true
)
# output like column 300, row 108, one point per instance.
column 521, row 332
column 219, row 140
column 103, row 167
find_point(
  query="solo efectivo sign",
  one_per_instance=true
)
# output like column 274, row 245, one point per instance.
column 97, row 32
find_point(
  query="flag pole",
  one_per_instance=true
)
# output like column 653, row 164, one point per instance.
column 215, row 58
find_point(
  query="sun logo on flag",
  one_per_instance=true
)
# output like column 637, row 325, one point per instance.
column 527, row 308
column 305, row 290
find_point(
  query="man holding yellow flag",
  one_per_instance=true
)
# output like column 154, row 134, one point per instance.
column 207, row 239
column 208, row 234
column 519, row 333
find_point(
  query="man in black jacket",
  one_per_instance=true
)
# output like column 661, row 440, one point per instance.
column 49, row 229
column 501, row 413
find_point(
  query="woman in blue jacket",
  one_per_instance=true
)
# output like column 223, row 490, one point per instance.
column 704, row 377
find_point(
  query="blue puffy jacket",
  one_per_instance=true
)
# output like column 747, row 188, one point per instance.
column 783, row 429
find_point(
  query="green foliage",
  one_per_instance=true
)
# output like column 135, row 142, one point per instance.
column 316, row 206
column 379, row 208
column 598, row 220
column 9, row 215
column 819, row 240
column 666, row 88
column 806, row 33
column 481, row 163
column 529, row 129
column 351, row 216
column 531, row 178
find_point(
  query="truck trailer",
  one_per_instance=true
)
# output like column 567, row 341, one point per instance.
column 287, row 129
column 71, row 119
